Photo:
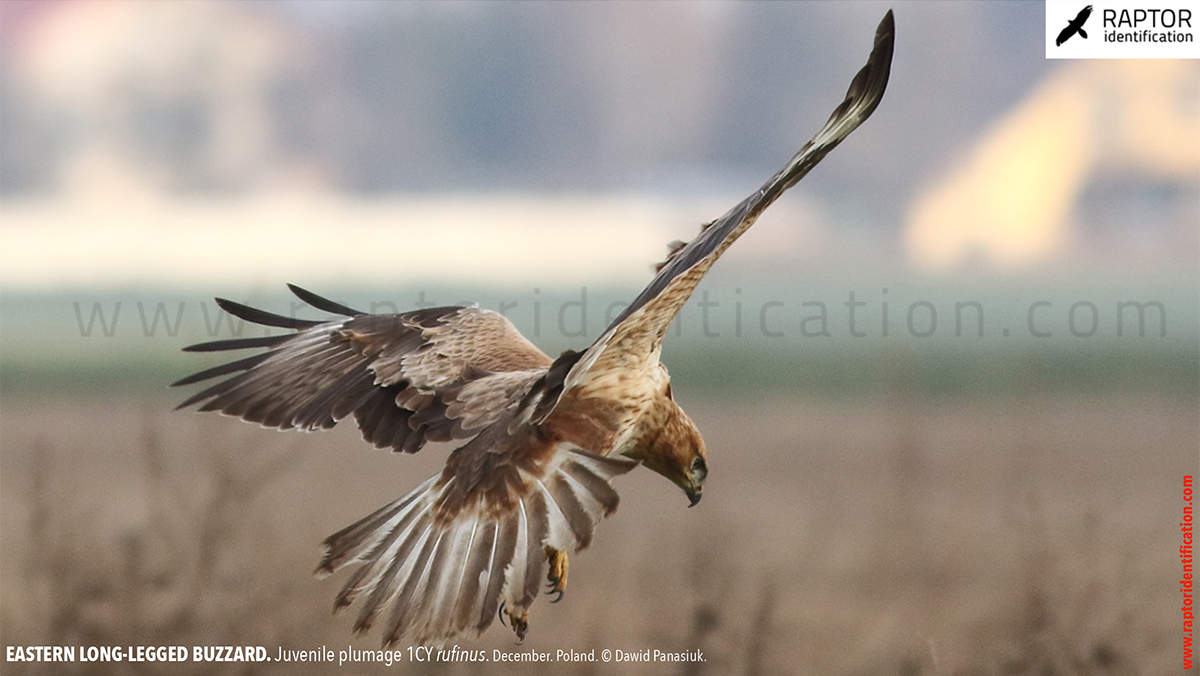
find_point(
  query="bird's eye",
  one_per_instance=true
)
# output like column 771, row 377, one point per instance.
column 699, row 466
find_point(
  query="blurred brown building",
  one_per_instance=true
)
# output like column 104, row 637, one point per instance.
column 1101, row 159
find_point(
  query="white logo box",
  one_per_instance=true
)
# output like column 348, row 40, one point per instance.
column 1124, row 29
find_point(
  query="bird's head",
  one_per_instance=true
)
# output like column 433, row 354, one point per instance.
column 675, row 449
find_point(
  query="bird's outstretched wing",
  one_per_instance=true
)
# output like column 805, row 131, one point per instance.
column 441, row 560
column 435, row 374
column 636, row 335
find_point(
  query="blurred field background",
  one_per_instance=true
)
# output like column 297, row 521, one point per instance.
column 971, row 465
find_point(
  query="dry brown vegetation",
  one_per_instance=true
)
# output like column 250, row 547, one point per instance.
column 892, row 536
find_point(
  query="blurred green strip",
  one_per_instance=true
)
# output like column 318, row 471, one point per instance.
column 936, row 374
column 705, row 372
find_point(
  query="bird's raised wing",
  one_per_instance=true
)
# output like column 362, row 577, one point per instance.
column 435, row 374
column 634, row 338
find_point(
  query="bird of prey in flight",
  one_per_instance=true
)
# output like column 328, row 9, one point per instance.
column 542, row 438
column 1074, row 26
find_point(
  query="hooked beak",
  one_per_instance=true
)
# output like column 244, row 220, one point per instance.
column 693, row 484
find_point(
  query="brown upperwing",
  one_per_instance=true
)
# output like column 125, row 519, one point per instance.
column 435, row 374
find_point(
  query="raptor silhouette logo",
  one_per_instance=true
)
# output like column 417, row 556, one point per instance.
column 1075, row 26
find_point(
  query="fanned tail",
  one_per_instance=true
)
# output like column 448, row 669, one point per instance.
column 442, row 577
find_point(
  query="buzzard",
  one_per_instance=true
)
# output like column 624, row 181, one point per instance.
column 542, row 438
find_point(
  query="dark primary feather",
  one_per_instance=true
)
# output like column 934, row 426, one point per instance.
column 256, row 316
column 235, row 344
column 323, row 303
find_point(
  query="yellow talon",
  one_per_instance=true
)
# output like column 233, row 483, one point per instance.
column 519, row 623
column 558, row 572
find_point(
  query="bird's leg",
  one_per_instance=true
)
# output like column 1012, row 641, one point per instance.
column 558, row 572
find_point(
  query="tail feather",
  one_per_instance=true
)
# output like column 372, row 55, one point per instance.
column 441, row 577
column 395, row 589
column 562, row 494
column 525, row 590
column 502, row 556
column 477, row 566
column 377, row 579
column 369, row 531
